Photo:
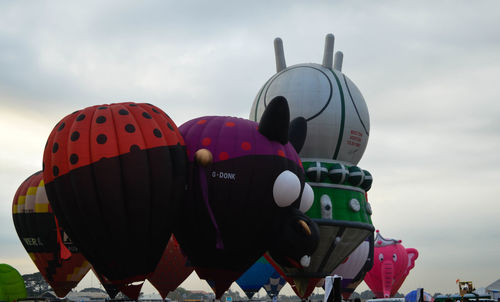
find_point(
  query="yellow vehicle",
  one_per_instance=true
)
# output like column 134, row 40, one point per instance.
column 465, row 287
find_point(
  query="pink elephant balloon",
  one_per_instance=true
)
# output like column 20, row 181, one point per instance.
column 392, row 263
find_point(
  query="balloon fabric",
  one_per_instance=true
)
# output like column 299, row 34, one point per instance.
column 114, row 175
column 246, row 200
column 391, row 265
column 132, row 290
column 355, row 267
column 255, row 277
column 59, row 261
column 274, row 285
column 412, row 296
column 12, row 286
column 331, row 120
column 172, row 269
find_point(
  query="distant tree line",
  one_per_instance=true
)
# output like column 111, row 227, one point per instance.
column 35, row 284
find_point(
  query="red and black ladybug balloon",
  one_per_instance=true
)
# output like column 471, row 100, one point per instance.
column 115, row 175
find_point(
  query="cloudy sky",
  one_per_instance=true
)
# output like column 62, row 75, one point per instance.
column 429, row 71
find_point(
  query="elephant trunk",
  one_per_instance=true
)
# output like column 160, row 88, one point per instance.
column 387, row 278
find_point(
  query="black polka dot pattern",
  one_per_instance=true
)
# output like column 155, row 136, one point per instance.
column 123, row 112
column 155, row 111
column 134, row 148
column 75, row 136
column 101, row 139
column 55, row 171
column 130, row 128
column 61, row 127
column 100, row 119
column 102, row 107
column 157, row 132
column 170, row 127
column 73, row 159
column 80, row 118
column 146, row 115
column 55, row 147
column 133, row 105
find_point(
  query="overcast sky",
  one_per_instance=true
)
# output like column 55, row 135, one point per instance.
column 429, row 72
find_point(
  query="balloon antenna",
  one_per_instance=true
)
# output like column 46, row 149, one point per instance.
column 279, row 54
column 337, row 64
column 328, row 55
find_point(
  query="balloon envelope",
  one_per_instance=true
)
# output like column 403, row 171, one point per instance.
column 391, row 265
column 256, row 277
column 353, row 270
column 337, row 131
column 172, row 269
column 114, row 176
column 413, row 296
column 132, row 291
column 274, row 285
column 231, row 215
column 59, row 261
column 12, row 286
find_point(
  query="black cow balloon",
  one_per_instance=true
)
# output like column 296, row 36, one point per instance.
column 121, row 178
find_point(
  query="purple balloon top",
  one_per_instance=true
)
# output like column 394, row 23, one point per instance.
column 231, row 137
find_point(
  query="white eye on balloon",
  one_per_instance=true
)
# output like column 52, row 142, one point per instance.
column 381, row 257
column 326, row 206
column 307, row 198
column 286, row 188
column 394, row 257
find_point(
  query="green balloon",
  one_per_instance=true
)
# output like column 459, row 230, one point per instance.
column 11, row 284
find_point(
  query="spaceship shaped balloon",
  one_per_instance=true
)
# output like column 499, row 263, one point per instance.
column 246, row 186
column 331, row 118
column 391, row 265
column 59, row 261
column 114, row 176
column 333, row 107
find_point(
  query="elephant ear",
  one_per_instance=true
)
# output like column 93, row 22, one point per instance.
column 275, row 119
column 298, row 132
column 412, row 256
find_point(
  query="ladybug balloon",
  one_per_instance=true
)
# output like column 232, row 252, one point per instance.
column 115, row 175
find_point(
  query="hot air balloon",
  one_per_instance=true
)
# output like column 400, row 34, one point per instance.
column 414, row 296
column 111, row 289
column 58, row 260
column 391, row 265
column 274, row 285
column 115, row 176
column 131, row 290
column 12, row 286
column 245, row 188
column 172, row 270
column 256, row 277
column 330, row 116
column 355, row 267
